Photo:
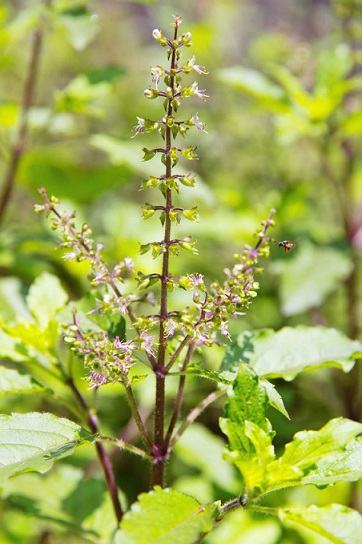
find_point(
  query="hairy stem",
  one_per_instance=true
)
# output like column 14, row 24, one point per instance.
column 19, row 147
column 158, row 471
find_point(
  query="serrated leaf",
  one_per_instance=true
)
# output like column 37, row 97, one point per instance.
column 338, row 523
column 14, row 383
column 289, row 351
column 274, row 398
column 247, row 402
column 248, row 430
column 165, row 515
column 320, row 457
column 46, row 296
column 33, row 441
column 223, row 377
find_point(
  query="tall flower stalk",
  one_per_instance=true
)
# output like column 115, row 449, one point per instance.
column 164, row 336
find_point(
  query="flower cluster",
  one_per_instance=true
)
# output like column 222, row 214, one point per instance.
column 79, row 243
column 107, row 360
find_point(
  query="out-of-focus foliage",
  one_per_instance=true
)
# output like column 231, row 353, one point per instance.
column 284, row 129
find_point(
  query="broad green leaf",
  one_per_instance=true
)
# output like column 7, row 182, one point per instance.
column 316, row 107
column 249, row 432
column 30, row 340
column 320, row 457
column 12, row 302
column 11, row 348
column 338, row 523
column 163, row 516
column 33, row 441
column 333, row 64
column 289, row 351
column 14, row 383
column 257, row 85
column 80, row 96
column 46, row 296
column 308, row 278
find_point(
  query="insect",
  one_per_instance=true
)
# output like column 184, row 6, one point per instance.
column 287, row 245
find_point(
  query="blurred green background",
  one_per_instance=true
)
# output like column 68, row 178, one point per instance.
column 284, row 122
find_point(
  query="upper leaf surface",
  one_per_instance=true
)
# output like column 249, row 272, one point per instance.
column 289, row 351
column 33, row 441
column 165, row 515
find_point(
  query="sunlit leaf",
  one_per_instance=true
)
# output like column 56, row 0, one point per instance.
column 320, row 457
column 45, row 298
column 248, row 430
column 289, row 351
column 14, row 383
column 338, row 523
column 33, row 441
column 165, row 515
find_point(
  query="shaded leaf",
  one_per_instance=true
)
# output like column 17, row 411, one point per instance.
column 165, row 515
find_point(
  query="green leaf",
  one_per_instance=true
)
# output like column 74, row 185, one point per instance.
column 80, row 96
column 81, row 26
column 274, row 398
column 249, row 432
column 14, row 383
column 9, row 112
column 165, row 515
column 307, row 279
column 33, row 441
column 257, row 85
column 223, row 377
column 289, row 351
column 320, row 457
column 46, row 296
column 338, row 523
column 104, row 74
column 11, row 348
column 352, row 123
